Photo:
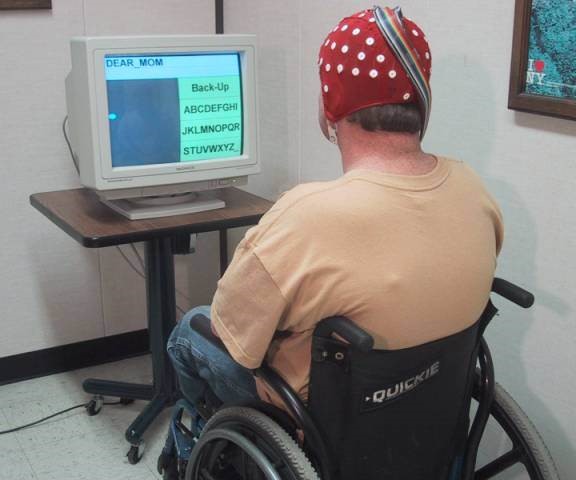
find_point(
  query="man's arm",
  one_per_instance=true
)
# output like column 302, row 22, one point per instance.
column 247, row 308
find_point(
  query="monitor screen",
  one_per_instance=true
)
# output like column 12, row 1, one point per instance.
column 174, row 108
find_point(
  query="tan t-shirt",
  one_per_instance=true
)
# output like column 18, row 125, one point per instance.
column 408, row 258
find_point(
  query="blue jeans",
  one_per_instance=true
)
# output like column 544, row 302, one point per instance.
column 200, row 364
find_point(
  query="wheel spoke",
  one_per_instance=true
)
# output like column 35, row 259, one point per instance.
column 206, row 475
column 499, row 465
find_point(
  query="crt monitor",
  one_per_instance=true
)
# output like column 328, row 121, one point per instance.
column 157, row 123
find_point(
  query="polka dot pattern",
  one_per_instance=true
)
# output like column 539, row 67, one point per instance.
column 357, row 66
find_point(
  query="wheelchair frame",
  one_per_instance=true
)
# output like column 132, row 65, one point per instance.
column 483, row 392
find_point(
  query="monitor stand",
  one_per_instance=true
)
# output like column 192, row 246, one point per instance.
column 166, row 205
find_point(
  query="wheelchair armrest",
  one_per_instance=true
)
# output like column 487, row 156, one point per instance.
column 346, row 329
column 201, row 324
column 513, row 293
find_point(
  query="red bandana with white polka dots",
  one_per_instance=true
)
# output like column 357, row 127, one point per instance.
column 358, row 69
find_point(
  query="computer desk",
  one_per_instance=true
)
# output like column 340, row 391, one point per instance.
column 80, row 214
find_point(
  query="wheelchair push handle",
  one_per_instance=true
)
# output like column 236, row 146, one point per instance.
column 346, row 329
column 513, row 293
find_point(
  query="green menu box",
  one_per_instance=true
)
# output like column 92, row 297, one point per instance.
column 211, row 118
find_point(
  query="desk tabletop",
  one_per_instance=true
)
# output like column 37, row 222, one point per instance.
column 84, row 217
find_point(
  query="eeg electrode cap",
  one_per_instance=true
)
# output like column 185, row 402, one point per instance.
column 374, row 57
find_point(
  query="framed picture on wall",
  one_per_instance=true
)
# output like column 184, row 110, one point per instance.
column 543, row 71
column 24, row 4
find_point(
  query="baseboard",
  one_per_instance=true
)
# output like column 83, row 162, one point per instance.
column 73, row 356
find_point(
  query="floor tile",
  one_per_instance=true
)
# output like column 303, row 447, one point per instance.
column 15, row 466
column 8, row 442
column 88, row 457
column 112, row 419
column 74, row 445
column 62, row 385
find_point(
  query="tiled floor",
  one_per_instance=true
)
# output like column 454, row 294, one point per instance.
column 75, row 446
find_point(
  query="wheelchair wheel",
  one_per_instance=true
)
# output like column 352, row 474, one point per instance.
column 242, row 443
column 528, row 448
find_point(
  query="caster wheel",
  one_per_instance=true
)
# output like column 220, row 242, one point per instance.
column 135, row 453
column 95, row 405
column 168, row 466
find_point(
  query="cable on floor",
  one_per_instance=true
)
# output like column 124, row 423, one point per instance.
column 85, row 405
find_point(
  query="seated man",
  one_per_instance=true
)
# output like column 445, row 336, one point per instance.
column 404, row 243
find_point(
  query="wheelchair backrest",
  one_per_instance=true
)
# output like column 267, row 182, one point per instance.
column 400, row 414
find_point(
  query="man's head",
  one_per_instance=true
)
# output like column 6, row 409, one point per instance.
column 364, row 78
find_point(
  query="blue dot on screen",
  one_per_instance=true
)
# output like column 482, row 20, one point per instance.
column 112, row 116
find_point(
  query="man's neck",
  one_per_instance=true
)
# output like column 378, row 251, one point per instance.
column 387, row 152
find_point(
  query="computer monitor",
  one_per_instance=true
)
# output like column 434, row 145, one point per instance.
column 155, row 122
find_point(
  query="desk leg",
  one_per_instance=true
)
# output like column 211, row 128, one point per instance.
column 161, row 308
column 223, row 251
column 161, row 301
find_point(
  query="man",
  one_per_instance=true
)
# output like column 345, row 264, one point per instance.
column 404, row 243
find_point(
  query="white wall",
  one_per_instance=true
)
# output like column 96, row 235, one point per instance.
column 55, row 292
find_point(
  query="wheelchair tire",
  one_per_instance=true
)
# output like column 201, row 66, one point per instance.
column 252, row 429
column 528, row 447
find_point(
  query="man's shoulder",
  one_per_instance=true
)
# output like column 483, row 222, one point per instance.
column 307, row 194
column 465, row 174
column 296, row 209
column 461, row 169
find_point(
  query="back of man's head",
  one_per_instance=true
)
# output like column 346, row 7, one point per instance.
column 375, row 70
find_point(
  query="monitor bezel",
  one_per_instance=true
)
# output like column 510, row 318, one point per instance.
column 174, row 45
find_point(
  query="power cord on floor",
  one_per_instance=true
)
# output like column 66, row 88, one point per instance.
column 85, row 405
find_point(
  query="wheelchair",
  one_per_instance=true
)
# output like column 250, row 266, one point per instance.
column 411, row 414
